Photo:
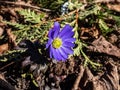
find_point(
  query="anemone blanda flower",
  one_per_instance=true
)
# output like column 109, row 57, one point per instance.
column 61, row 42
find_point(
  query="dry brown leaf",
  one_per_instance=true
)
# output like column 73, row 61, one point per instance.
column 3, row 48
column 8, row 45
column 115, row 7
column 4, row 85
column 11, row 38
column 2, row 76
column 1, row 31
column 107, row 81
column 101, row 45
column 93, row 32
column 106, row 1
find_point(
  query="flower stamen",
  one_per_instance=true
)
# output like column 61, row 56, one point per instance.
column 57, row 42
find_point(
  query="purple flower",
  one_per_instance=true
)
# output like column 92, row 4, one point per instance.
column 60, row 42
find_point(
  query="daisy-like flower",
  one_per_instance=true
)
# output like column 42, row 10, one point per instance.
column 61, row 42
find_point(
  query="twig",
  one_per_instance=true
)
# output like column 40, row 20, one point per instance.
column 64, row 16
column 71, row 13
column 6, row 65
column 77, row 81
column 25, row 5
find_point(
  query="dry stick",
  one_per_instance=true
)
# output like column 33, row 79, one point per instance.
column 77, row 81
column 6, row 65
column 64, row 16
column 71, row 13
column 25, row 5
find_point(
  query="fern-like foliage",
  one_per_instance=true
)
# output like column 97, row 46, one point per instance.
column 13, row 55
column 54, row 5
column 32, row 27
column 30, row 32
column 31, row 16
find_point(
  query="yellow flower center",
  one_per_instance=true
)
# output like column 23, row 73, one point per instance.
column 57, row 43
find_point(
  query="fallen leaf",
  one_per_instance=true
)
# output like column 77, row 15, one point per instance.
column 109, row 80
column 10, row 44
column 1, row 31
column 11, row 38
column 101, row 45
column 115, row 7
column 4, row 85
column 93, row 32
column 2, row 76
column 3, row 48
column 105, row 1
